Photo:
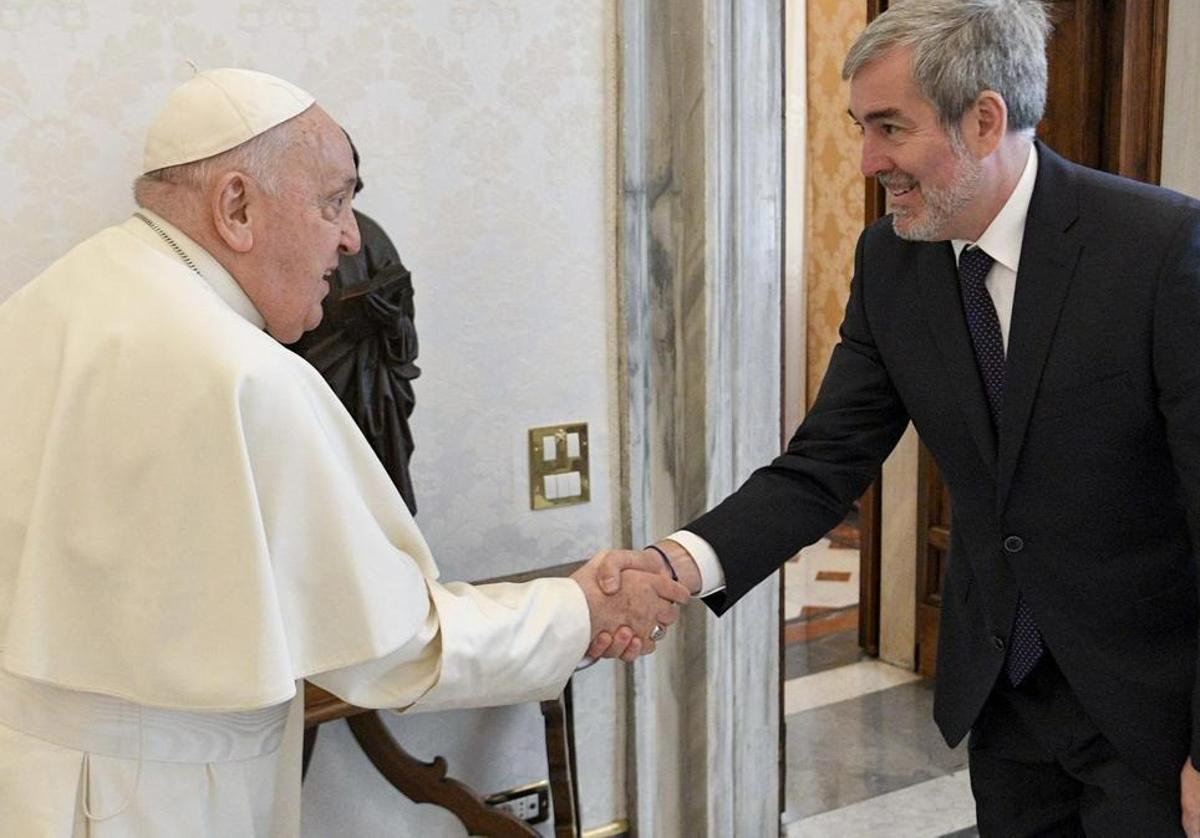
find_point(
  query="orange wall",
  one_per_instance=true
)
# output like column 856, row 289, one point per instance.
column 834, row 193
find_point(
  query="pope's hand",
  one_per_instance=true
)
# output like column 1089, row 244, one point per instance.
column 666, row 557
column 623, row 620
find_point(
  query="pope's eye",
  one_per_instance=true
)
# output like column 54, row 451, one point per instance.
column 332, row 208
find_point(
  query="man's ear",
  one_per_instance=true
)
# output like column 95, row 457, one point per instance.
column 230, row 207
column 985, row 123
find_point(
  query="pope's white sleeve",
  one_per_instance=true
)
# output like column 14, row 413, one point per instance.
column 480, row 645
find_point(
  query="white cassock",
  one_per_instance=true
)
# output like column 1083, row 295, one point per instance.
column 191, row 524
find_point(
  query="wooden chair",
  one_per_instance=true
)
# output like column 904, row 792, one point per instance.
column 426, row 782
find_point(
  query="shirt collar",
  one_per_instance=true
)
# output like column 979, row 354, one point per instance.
column 1003, row 237
column 210, row 270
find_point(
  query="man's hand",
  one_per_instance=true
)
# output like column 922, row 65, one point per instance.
column 623, row 617
column 1189, row 797
column 612, row 562
column 609, row 566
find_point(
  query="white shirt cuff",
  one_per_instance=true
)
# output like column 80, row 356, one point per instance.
column 712, row 575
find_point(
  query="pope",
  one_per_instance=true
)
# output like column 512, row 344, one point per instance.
column 191, row 523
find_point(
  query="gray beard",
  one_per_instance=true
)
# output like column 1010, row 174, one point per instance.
column 942, row 205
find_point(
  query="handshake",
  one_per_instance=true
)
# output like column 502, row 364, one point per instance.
column 632, row 597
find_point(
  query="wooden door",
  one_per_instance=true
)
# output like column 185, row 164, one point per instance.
column 1104, row 109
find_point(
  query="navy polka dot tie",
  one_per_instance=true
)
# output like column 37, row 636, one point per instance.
column 1025, row 646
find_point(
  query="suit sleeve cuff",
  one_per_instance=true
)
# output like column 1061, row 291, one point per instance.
column 712, row 575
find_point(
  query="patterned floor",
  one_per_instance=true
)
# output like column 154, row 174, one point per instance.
column 863, row 755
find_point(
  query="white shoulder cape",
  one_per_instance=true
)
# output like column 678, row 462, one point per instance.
column 188, row 516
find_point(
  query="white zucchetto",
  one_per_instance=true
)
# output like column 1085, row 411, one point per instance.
column 215, row 111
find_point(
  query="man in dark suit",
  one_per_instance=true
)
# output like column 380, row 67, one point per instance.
column 1039, row 323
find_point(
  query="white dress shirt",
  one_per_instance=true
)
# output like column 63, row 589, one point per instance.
column 1002, row 241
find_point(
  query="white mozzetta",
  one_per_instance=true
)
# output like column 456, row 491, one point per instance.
column 190, row 520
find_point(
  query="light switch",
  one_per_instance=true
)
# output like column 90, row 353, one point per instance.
column 558, row 465
column 569, row 485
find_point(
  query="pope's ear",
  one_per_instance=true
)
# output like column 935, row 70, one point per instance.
column 230, row 205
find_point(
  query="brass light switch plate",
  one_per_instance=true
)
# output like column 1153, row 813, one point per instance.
column 558, row 466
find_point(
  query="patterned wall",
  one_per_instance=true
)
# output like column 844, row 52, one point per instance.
column 482, row 129
column 834, row 201
column 482, row 125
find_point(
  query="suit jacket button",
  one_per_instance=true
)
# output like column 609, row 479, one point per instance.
column 1014, row 544
column 998, row 642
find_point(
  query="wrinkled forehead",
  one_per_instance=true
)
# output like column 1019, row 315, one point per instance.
column 323, row 151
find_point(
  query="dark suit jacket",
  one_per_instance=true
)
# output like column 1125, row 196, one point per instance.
column 1087, row 500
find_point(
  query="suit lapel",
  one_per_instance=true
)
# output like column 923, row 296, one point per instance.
column 1049, row 253
column 937, row 277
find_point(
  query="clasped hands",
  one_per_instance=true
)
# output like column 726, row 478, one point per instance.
column 631, row 598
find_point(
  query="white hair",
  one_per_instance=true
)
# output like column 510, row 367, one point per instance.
column 261, row 157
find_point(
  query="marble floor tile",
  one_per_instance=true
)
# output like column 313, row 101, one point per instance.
column 861, row 748
column 821, row 653
column 939, row 807
column 841, row 683
column 818, row 622
column 837, row 586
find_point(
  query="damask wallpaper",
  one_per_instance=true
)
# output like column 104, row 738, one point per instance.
column 834, row 205
column 485, row 131
column 481, row 125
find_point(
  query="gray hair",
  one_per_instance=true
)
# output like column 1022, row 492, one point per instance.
column 963, row 47
column 261, row 157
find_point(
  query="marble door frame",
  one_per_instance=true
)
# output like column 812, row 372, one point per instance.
column 701, row 313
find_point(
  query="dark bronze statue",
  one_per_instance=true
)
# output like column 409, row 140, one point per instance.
column 366, row 346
